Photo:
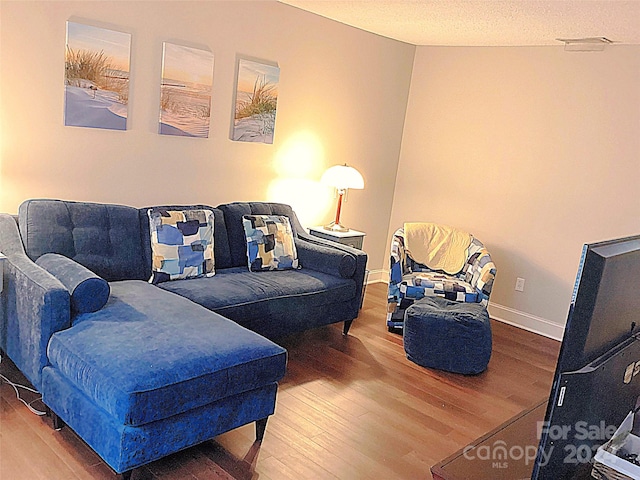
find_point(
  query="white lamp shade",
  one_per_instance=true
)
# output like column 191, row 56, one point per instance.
column 342, row 177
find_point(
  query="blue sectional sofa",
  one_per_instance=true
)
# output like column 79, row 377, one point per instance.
column 142, row 369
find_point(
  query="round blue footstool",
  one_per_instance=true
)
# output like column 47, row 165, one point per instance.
column 447, row 335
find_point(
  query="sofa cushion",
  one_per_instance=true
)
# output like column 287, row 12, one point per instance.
column 248, row 298
column 104, row 238
column 173, row 355
column 270, row 243
column 89, row 292
column 181, row 244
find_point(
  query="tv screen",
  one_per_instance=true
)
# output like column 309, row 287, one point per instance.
column 595, row 383
column 605, row 306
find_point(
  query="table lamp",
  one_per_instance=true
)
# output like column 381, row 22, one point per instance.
column 342, row 178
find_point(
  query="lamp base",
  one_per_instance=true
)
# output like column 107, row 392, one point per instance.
column 336, row 227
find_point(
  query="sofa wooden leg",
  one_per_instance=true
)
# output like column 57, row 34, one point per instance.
column 261, row 426
column 125, row 475
column 347, row 326
column 58, row 423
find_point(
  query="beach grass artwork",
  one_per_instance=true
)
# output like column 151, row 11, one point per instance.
column 256, row 101
column 185, row 92
column 96, row 77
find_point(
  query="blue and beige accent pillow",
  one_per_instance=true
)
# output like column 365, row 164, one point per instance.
column 181, row 244
column 270, row 243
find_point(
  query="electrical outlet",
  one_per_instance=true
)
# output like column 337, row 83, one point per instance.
column 520, row 284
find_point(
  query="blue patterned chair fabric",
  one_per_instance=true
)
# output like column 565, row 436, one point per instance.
column 410, row 281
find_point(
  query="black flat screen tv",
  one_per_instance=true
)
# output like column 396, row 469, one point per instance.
column 596, row 381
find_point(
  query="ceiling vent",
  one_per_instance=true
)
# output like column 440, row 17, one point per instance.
column 588, row 44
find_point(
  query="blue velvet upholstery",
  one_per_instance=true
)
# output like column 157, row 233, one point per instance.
column 124, row 447
column 35, row 305
column 448, row 335
column 244, row 297
column 170, row 359
column 88, row 291
column 104, row 238
column 265, row 305
column 151, row 372
column 325, row 259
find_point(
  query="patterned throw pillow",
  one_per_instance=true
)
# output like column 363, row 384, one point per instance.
column 181, row 244
column 270, row 244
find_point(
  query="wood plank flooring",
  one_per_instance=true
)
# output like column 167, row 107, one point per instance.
column 349, row 408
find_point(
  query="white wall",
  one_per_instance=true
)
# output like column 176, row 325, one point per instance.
column 532, row 149
column 342, row 98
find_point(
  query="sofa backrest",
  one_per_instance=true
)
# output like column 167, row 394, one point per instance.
column 114, row 242
column 104, row 238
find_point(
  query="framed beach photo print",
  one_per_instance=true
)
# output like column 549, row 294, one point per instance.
column 256, row 101
column 96, row 77
column 185, row 91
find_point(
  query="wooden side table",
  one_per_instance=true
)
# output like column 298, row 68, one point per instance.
column 353, row 238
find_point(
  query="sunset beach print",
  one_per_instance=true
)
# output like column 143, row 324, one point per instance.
column 96, row 77
column 185, row 93
column 256, row 101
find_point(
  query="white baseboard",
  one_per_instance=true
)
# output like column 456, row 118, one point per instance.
column 526, row 321
column 377, row 276
column 507, row 315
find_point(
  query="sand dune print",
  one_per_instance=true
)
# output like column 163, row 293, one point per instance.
column 185, row 93
column 96, row 77
column 256, row 101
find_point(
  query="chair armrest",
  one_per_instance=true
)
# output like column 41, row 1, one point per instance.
column 36, row 305
column 398, row 266
column 480, row 271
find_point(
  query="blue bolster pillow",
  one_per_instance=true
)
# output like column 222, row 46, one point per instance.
column 89, row 292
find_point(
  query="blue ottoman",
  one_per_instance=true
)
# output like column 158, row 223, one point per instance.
column 448, row 335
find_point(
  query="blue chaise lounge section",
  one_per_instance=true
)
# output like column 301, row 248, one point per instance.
column 137, row 382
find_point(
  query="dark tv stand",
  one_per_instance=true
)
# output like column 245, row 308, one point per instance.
column 519, row 433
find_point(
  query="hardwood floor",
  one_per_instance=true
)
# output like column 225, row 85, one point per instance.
column 349, row 408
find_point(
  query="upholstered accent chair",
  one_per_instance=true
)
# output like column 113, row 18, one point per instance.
column 411, row 280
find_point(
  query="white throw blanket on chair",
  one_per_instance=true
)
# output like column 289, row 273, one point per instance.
column 439, row 247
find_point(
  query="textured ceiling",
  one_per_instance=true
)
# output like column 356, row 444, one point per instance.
column 485, row 22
